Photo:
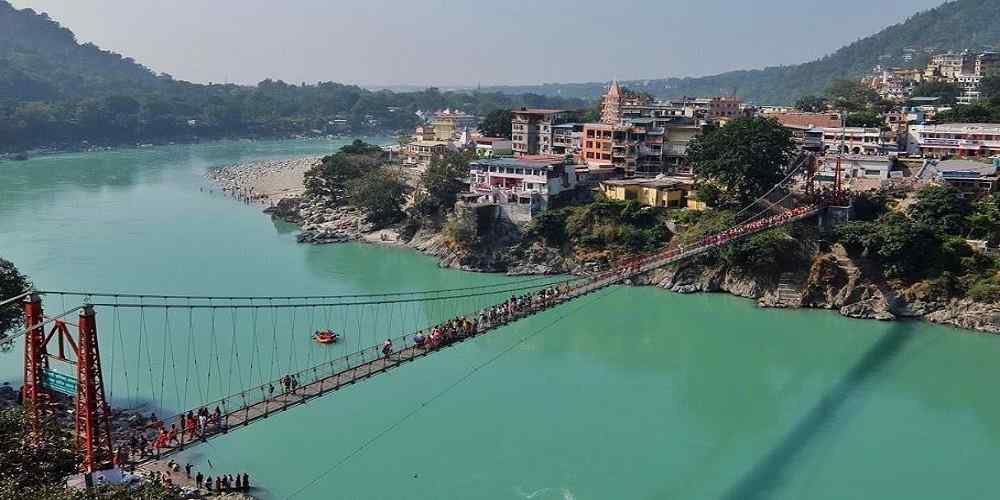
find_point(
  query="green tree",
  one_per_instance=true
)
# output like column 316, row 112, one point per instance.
column 331, row 177
column 39, row 473
column 443, row 180
column 811, row 104
column 870, row 119
column 948, row 92
column 903, row 247
column 744, row 158
column 12, row 283
column 942, row 208
column 851, row 95
column 970, row 113
column 380, row 193
column 990, row 86
column 497, row 123
column 984, row 221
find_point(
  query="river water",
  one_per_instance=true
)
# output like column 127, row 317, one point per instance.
column 627, row 393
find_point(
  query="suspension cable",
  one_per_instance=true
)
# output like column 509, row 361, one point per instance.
column 280, row 297
column 300, row 305
column 48, row 320
column 16, row 298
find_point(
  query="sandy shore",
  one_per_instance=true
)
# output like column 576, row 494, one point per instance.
column 265, row 181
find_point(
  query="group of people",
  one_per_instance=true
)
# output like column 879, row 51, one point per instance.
column 222, row 483
column 189, row 426
column 461, row 327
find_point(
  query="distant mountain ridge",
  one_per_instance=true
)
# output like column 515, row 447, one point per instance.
column 956, row 25
column 39, row 59
column 58, row 93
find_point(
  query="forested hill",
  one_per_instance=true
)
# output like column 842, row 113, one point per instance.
column 961, row 24
column 56, row 92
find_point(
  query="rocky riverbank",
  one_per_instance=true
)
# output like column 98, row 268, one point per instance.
column 824, row 279
column 831, row 280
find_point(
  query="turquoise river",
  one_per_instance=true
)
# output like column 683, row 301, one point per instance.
column 630, row 393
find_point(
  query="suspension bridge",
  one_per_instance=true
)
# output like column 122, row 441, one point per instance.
column 244, row 358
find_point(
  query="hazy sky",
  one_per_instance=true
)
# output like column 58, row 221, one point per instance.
column 442, row 42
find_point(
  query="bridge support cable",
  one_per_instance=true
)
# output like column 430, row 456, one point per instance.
column 189, row 297
column 436, row 396
column 290, row 373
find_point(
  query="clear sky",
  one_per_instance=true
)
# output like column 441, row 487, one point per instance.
column 442, row 42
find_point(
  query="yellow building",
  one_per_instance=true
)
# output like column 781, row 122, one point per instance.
column 661, row 191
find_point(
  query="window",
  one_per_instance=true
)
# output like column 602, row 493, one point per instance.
column 590, row 155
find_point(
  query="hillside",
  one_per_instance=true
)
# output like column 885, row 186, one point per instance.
column 954, row 25
column 39, row 59
column 56, row 92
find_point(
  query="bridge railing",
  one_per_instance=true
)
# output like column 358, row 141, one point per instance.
column 277, row 395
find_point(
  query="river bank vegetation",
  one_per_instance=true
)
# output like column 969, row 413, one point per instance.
column 40, row 472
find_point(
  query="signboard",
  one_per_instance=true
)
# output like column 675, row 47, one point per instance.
column 58, row 382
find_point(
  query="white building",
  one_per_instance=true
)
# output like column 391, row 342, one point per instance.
column 857, row 140
column 526, row 182
column 962, row 140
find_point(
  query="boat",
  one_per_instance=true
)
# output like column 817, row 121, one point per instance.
column 325, row 336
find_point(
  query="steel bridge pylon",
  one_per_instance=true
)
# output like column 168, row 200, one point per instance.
column 92, row 411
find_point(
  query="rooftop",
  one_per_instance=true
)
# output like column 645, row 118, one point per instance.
column 660, row 181
column 539, row 111
column 993, row 128
column 807, row 119
column 539, row 161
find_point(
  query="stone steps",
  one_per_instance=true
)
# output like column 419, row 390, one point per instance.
column 789, row 291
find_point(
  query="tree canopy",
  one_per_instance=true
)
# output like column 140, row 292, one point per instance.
column 497, row 123
column 744, row 158
column 869, row 119
column 811, row 104
column 942, row 208
column 380, row 193
column 443, row 180
column 331, row 177
column 12, row 283
column 948, row 92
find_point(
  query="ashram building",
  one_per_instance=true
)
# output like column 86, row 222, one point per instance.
column 961, row 140
column 522, row 186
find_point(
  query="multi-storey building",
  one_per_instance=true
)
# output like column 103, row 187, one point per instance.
column 962, row 140
column 857, row 140
column 638, row 134
column 421, row 153
column 987, row 63
column 969, row 83
column 948, row 65
column 566, row 139
column 522, row 186
column 449, row 123
column 532, row 130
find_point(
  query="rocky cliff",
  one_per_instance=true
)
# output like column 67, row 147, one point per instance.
column 833, row 280
column 822, row 278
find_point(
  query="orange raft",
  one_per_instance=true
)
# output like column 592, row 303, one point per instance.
column 325, row 337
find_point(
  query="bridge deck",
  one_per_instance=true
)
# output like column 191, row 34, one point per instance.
column 259, row 403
